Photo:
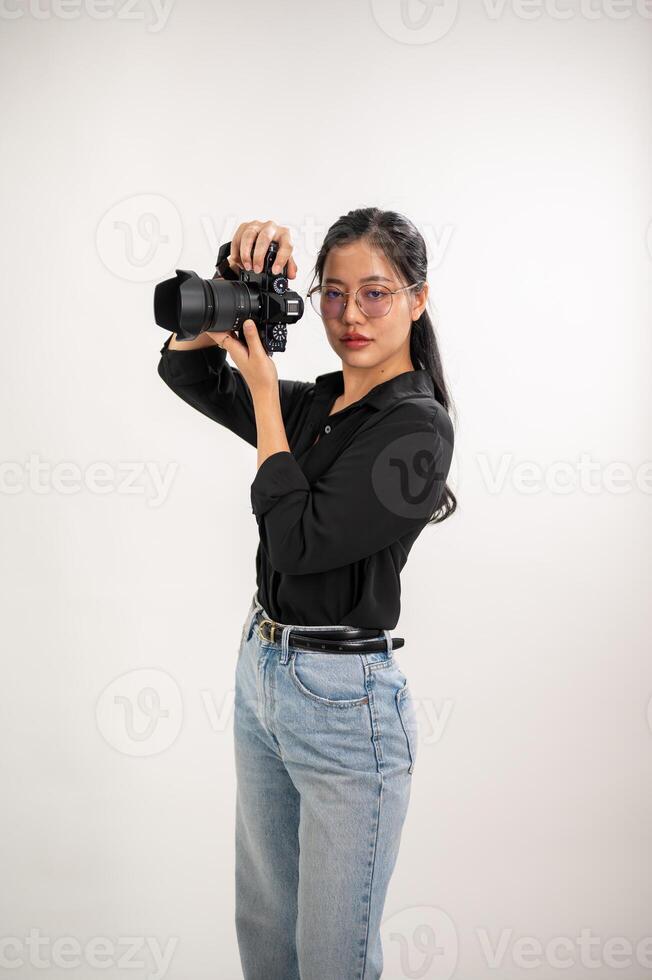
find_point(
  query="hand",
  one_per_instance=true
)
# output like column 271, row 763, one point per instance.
column 260, row 234
column 252, row 360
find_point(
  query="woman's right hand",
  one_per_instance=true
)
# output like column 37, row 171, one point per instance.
column 250, row 243
column 255, row 236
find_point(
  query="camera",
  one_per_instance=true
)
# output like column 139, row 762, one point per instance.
column 188, row 305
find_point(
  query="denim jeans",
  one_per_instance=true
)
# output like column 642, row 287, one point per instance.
column 325, row 747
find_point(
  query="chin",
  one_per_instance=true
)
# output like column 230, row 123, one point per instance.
column 356, row 356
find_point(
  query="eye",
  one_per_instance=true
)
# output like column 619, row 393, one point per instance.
column 373, row 293
column 332, row 293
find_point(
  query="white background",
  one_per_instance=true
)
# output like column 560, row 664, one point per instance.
column 517, row 138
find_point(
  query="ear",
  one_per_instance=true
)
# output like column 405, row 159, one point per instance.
column 420, row 300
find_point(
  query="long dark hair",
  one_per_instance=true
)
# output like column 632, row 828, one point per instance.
column 405, row 249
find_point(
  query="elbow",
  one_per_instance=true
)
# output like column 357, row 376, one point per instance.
column 289, row 557
column 296, row 558
column 286, row 563
column 167, row 375
column 162, row 373
column 303, row 565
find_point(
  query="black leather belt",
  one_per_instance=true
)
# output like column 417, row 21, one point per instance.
column 353, row 640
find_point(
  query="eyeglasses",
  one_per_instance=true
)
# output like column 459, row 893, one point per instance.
column 373, row 300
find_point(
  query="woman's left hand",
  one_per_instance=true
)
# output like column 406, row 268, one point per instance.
column 252, row 360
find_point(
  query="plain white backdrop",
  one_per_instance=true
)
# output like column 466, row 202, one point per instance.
column 135, row 138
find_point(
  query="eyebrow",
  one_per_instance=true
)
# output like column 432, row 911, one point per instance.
column 366, row 279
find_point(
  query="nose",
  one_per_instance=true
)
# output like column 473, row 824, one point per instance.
column 352, row 312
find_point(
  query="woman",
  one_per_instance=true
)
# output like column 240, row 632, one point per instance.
column 351, row 467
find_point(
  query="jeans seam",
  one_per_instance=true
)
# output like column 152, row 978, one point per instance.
column 371, row 881
column 375, row 727
column 400, row 695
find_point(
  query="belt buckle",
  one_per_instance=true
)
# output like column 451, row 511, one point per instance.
column 261, row 625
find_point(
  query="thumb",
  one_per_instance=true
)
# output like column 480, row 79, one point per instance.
column 251, row 332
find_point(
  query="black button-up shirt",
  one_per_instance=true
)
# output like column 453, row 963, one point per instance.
column 339, row 513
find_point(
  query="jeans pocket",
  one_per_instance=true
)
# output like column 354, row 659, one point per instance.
column 407, row 715
column 333, row 679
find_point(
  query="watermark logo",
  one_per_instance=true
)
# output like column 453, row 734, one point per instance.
column 415, row 21
column 140, row 713
column 408, row 475
column 140, row 238
column 420, row 941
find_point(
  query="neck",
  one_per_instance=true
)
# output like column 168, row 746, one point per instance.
column 359, row 380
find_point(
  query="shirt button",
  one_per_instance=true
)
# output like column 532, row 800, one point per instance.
column 327, row 428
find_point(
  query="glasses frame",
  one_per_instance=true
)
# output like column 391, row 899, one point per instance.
column 392, row 293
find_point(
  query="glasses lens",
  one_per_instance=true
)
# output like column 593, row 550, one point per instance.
column 327, row 302
column 374, row 300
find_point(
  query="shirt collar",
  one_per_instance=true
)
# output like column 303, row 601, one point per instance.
column 329, row 386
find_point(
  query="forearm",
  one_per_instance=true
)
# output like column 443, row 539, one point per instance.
column 203, row 378
column 271, row 436
column 205, row 339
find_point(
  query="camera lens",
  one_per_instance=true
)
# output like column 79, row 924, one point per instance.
column 189, row 305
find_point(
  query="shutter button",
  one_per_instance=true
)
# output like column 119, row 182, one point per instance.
column 327, row 428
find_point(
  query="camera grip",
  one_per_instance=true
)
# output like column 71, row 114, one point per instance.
column 222, row 264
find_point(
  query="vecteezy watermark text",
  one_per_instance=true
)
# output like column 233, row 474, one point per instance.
column 143, row 477
column 154, row 13
column 99, row 953
column 426, row 21
column 140, row 238
column 565, row 476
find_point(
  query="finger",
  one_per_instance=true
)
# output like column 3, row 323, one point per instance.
column 285, row 247
column 247, row 240
column 235, row 243
column 235, row 348
column 254, row 343
column 218, row 337
column 266, row 234
column 292, row 268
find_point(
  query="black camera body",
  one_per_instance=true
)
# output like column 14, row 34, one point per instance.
column 189, row 305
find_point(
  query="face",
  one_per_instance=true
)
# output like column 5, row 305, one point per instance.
column 348, row 267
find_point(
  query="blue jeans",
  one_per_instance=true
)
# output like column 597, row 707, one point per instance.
column 325, row 746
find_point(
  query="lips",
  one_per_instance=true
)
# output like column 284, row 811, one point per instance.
column 355, row 336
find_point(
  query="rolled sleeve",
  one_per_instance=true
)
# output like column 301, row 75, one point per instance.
column 278, row 476
column 385, row 485
column 188, row 367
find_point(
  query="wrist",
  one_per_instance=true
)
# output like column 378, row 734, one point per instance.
column 265, row 395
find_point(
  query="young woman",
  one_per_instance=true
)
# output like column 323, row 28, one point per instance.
column 351, row 468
